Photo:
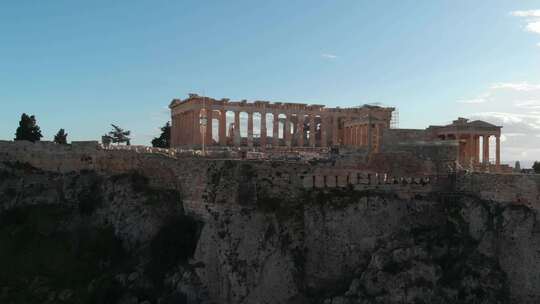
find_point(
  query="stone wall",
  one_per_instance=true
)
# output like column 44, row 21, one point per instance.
column 396, row 136
column 517, row 189
column 416, row 170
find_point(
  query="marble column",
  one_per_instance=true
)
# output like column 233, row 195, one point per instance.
column 196, row 128
column 324, row 132
column 275, row 129
column 357, row 136
column 311, row 130
column 250, row 129
column 470, row 149
column 287, row 130
column 237, row 139
column 476, row 149
column 485, row 149
column 300, row 117
column 208, row 135
column 362, row 134
column 223, row 127
column 335, row 126
column 263, row 130
column 369, row 137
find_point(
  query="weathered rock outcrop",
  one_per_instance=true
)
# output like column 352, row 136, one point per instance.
column 84, row 237
column 353, row 247
column 244, row 232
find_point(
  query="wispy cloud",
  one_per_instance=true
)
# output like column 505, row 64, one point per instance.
column 480, row 99
column 533, row 27
column 532, row 19
column 528, row 104
column 516, row 107
column 514, row 134
column 329, row 56
column 529, row 13
column 519, row 86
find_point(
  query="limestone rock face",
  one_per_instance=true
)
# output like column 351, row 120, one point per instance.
column 83, row 237
column 258, row 242
column 351, row 247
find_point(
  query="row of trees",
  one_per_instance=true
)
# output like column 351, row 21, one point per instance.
column 29, row 130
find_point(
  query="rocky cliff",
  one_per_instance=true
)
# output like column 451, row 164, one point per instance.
column 92, row 236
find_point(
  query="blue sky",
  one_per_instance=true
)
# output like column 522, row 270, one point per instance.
column 83, row 65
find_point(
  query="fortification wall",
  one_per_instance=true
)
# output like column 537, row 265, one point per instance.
column 519, row 189
column 197, row 178
column 192, row 176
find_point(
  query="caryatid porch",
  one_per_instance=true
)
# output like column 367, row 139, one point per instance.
column 473, row 136
column 199, row 121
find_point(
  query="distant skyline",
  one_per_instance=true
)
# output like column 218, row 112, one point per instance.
column 84, row 65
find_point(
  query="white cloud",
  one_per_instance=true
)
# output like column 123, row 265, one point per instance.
column 533, row 27
column 516, row 107
column 329, row 56
column 521, row 86
column 528, row 104
column 532, row 19
column 529, row 13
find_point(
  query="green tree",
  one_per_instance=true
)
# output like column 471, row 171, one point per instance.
column 118, row 135
column 164, row 140
column 28, row 129
column 536, row 167
column 61, row 137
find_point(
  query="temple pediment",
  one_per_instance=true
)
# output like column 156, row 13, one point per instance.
column 482, row 124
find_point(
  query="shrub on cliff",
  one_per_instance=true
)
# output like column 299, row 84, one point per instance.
column 61, row 137
column 116, row 136
column 164, row 140
column 28, row 129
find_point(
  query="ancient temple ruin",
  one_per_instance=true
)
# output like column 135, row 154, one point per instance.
column 200, row 122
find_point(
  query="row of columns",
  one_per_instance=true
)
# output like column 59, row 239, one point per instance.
column 287, row 135
column 362, row 135
column 472, row 148
column 186, row 128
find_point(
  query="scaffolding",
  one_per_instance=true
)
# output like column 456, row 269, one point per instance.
column 394, row 121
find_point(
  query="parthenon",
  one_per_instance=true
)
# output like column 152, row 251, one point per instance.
column 195, row 120
column 207, row 123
